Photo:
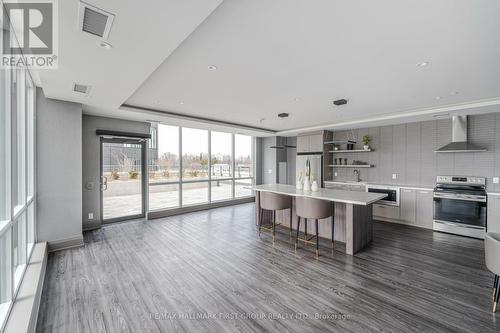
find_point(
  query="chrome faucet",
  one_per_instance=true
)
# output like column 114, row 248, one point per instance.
column 356, row 172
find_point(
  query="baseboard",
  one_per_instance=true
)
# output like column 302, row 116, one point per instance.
column 190, row 209
column 91, row 225
column 24, row 314
column 408, row 224
column 68, row 243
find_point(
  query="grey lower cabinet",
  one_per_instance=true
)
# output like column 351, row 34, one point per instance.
column 386, row 212
column 408, row 203
column 493, row 214
column 415, row 208
column 425, row 209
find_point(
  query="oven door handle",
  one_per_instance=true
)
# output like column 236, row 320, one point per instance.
column 459, row 224
column 452, row 197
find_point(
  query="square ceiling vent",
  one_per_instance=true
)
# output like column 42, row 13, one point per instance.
column 95, row 21
column 81, row 88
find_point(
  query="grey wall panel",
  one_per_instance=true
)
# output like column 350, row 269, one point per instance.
column 412, row 167
column 385, row 153
column 59, row 170
column 269, row 162
column 408, row 150
column 399, row 152
column 428, row 159
column 291, row 157
column 496, row 162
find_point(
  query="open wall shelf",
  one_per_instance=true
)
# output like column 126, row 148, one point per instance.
column 351, row 151
column 351, row 166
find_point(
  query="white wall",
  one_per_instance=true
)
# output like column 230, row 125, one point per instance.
column 59, row 172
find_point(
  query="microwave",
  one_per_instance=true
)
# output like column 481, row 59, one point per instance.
column 393, row 193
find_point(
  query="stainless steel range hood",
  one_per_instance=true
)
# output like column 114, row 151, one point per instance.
column 459, row 143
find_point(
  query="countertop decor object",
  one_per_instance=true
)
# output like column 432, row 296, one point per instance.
column 314, row 186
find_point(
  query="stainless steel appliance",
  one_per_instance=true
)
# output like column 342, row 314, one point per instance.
column 392, row 192
column 316, row 163
column 460, row 205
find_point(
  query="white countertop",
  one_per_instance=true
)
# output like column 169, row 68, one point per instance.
column 349, row 197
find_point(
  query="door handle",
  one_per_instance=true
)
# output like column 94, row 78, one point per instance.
column 104, row 183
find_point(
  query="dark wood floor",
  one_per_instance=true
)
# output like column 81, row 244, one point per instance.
column 143, row 276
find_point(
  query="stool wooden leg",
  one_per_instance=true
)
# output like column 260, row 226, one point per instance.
column 317, row 240
column 305, row 229
column 274, row 225
column 297, row 237
column 497, row 296
column 495, row 284
column 333, row 236
column 261, row 215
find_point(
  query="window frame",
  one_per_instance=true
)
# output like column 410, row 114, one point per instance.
column 209, row 179
column 16, row 211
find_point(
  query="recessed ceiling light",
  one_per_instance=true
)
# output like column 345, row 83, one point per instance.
column 283, row 115
column 181, row 102
column 260, row 120
column 422, row 64
column 438, row 98
column 105, row 45
column 296, row 99
column 212, row 68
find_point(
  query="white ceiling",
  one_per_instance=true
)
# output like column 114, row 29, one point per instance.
column 143, row 34
column 285, row 56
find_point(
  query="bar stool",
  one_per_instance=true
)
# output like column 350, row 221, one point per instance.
column 492, row 253
column 272, row 202
column 309, row 208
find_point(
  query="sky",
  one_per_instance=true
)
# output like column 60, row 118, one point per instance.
column 196, row 141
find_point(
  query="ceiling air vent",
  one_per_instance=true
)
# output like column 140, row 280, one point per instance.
column 81, row 88
column 94, row 20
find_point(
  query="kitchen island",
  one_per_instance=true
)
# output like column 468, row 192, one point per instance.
column 352, row 214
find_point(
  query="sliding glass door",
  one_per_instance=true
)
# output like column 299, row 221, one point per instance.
column 122, row 179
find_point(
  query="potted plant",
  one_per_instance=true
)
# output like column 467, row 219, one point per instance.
column 366, row 142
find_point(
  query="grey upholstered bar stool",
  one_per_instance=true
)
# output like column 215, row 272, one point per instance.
column 273, row 202
column 308, row 208
column 492, row 253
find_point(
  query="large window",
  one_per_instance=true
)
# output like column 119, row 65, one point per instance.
column 17, row 182
column 193, row 166
column 221, row 168
column 243, row 148
column 164, row 168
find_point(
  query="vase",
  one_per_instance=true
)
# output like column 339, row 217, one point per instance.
column 314, row 186
column 366, row 147
column 298, row 184
column 307, row 185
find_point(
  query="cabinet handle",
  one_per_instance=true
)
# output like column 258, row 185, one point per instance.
column 407, row 191
column 424, row 192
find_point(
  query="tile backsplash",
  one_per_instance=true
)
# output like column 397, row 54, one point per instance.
column 407, row 151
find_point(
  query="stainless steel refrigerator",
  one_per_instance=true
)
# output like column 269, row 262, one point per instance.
column 316, row 163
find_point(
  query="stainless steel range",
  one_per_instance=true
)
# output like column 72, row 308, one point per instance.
column 460, row 205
